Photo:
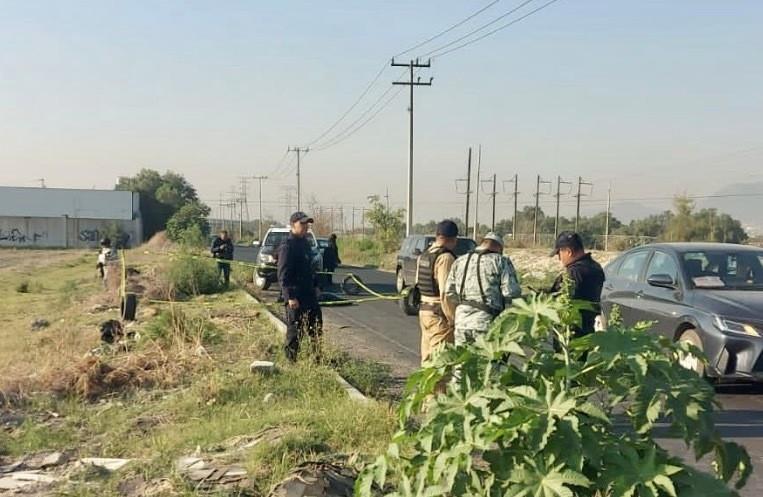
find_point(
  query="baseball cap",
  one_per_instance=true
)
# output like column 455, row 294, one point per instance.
column 300, row 217
column 447, row 228
column 494, row 237
column 567, row 239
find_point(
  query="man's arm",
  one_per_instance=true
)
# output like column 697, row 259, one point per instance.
column 285, row 276
column 509, row 282
column 451, row 292
column 442, row 270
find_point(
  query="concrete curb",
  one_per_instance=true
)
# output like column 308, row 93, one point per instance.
column 353, row 392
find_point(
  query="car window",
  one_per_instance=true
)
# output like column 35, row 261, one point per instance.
column 725, row 269
column 274, row 238
column 632, row 265
column 420, row 244
column 662, row 263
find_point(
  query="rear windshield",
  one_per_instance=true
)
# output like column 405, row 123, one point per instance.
column 722, row 269
column 275, row 238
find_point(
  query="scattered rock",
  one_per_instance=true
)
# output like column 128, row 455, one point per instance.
column 39, row 324
column 262, row 367
column 317, row 479
column 19, row 480
column 204, row 475
column 109, row 464
column 137, row 486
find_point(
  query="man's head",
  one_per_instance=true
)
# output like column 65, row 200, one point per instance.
column 447, row 234
column 300, row 223
column 568, row 246
column 492, row 242
column 223, row 235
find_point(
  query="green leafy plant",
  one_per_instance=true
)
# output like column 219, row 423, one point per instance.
column 531, row 411
column 193, row 275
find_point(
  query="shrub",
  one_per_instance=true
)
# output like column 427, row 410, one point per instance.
column 22, row 287
column 532, row 413
column 176, row 326
column 193, row 276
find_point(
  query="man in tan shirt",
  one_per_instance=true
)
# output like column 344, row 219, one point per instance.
column 436, row 314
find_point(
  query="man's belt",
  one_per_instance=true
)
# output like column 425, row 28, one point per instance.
column 480, row 306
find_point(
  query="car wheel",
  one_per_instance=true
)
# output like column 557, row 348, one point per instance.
column 260, row 282
column 690, row 361
column 410, row 301
column 400, row 281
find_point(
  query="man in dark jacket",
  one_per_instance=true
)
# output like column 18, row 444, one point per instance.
column 222, row 248
column 299, row 286
column 331, row 260
column 586, row 276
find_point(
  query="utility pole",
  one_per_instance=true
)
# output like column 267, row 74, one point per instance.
column 477, row 195
column 468, row 189
column 386, row 196
column 537, row 207
column 260, row 179
column 580, row 194
column 413, row 64
column 491, row 193
column 363, row 221
column 243, row 201
column 299, row 151
column 606, row 223
column 559, row 183
column 516, row 196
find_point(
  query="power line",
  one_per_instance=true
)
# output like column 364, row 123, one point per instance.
column 448, row 30
column 490, row 33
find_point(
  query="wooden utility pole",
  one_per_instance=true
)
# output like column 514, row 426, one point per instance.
column 299, row 151
column 413, row 64
column 579, row 195
column 468, row 191
column 515, row 194
column 477, row 196
column 559, row 183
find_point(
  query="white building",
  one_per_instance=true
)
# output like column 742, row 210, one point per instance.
column 59, row 217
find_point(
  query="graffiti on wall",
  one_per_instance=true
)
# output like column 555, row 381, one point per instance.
column 89, row 235
column 17, row 236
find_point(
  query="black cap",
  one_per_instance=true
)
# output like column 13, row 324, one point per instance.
column 567, row 239
column 301, row 217
column 447, row 228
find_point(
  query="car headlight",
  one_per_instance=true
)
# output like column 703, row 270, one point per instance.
column 736, row 327
column 267, row 259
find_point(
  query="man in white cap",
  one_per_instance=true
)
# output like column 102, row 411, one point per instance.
column 481, row 284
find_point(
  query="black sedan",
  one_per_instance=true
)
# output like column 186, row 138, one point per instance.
column 709, row 294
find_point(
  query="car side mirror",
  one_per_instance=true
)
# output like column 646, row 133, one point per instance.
column 661, row 281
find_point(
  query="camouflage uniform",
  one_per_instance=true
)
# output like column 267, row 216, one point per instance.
column 481, row 283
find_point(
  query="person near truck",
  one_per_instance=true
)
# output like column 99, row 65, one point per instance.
column 331, row 260
column 436, row 313
column 299, row 287
column 222, row 249
column 106, row 256
column 585, row 274
column 481, row 284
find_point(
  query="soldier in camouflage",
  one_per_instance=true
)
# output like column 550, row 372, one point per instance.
column 481, row 284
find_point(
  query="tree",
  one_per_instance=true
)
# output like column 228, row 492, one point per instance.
column 160, row 196
column 191, row 218
column 387, row 224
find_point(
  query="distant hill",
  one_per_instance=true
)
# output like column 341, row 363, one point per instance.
column 747, row 207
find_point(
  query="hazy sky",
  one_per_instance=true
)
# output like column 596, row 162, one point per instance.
column 657, row 97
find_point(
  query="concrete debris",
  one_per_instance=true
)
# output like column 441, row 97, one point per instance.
column 137, row 486
column 205, row 475
column 317, row 479
column 19, row 480
column 39, row 324
column 262, row 367
column 109, row 464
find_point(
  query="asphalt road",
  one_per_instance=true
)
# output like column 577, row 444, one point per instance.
column 380, row 331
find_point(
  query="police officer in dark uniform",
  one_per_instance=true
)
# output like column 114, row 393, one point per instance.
column 222, row 248
column 586, row 275
column 299, row 286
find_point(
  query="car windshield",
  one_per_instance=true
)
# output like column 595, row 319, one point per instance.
column 724, row 269
column 275, row 238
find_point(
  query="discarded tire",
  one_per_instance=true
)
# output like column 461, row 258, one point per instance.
column 128, row 307
column 409, row 301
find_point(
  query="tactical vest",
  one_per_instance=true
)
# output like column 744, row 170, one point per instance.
column 425, row 278
column 483, row 306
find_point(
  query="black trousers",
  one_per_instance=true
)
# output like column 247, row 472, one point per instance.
column 223, row 268
column 300, row 323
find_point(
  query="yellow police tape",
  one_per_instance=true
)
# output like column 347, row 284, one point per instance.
column 376, row 296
